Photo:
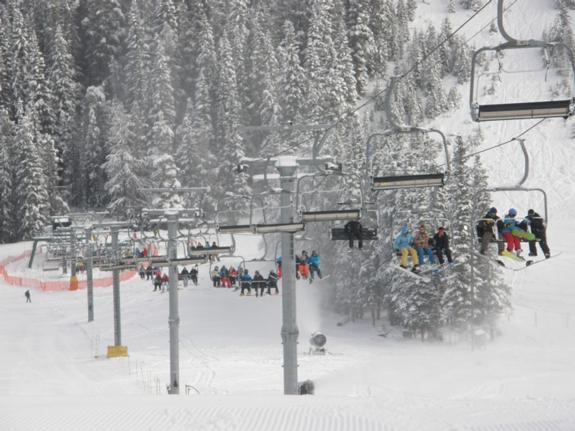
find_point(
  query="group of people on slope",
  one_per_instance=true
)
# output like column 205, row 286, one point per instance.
column 306, row 266
column 247, row 282
column 491, row 227
column 421, row 245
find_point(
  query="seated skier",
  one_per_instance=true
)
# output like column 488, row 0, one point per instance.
column 422, row 246
column 404, row 244
column 487, row 229
column 538, row 228
column 354, row 230
column 313, row 262
column 441, row 245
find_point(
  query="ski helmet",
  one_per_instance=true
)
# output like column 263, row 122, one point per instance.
column 512, row 212
column 530, row 212
column 493, row 210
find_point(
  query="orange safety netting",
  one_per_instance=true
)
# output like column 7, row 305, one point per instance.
column 51, row 285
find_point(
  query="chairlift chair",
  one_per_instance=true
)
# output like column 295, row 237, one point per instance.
column 563, row 107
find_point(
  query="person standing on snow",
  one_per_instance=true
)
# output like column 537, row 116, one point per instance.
column 27, row 295
column 404, row 245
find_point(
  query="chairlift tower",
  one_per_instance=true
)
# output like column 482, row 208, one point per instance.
column 287, row 167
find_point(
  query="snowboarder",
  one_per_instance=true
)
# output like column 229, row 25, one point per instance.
column 233, row 276
column 245, row 282
column 313, row 262
column 259, row 283
column 273, row 282
column 486, row 230
column 509, row 225
column 27, row 295
column 303, row 267
column 441, row 244
column 353, row 229
column 538, row 228
column 404, row 244
column 422, row 246
column 225, row 277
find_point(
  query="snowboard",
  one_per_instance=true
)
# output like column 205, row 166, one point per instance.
column 514, row 257
column 523, row 234
column 530, row 263
column 497, row 261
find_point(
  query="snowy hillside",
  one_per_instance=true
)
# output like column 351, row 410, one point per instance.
column 54, row 374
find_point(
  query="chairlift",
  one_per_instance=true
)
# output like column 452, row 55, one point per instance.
column 563, row 107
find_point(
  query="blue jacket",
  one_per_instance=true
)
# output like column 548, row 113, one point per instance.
column 404, row 240
column 246, row 278
column 509, row 224
column 313, row 260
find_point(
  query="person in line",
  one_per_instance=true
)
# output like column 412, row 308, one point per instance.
column 216, row 276
column 149, row 272
column 441, row 244
column 509, row 225
column 158, row 282
column 259, row 282
column 194, row 275
column 245, row 282
column 354, row 230
column 404, row 244
column 27, row 295
column 538, row 228
column 422, row 246
column 225, row 277
column 165, row 282
column 313, row 263
column 185, row 276
column 142, row 271
column 272, row 282
column 488, row 229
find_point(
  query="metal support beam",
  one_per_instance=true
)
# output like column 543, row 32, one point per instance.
column 289, row 330
column 173, row 318
column 89, row 274
column 116, row 291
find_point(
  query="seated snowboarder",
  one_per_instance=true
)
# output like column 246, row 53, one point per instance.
column 487, row 229
column 404, row 244
column 538, row 228
column 259, row 282
column 510, row 225
column 354, row 230
column 422, row 246
column 441, row 245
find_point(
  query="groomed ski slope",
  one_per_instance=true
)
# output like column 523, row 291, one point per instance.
column 54, row 375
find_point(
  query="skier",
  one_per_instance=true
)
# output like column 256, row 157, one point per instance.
column 279, row 265
column 353, row 229
column 216, row 276
column 303, row 267
column 422, row 246
column 273, row 282
column 245, row 282
column 486, row 230
column 158, row 282
column 165, row 281
column 194, row 275
column 233, row 276
column 441, row 244
column 142, row 272
column 185, row 276
column 27, row 295
column 225, row 277
column 538, row 228
column 149, row 272
column 404, row 245
column 259, row 283
column 509, row 225
column 313, row 262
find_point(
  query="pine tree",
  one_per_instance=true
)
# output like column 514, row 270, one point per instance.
column 137, row 56
column 361, row 42
column 7, row 166
column 124, row 171
column 31, row 188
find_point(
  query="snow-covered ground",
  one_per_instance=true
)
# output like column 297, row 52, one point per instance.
column 54, row 374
